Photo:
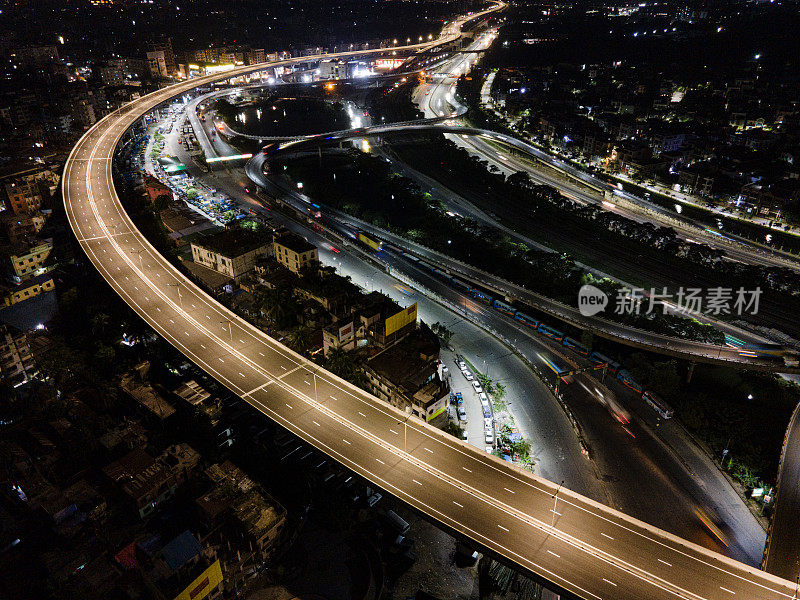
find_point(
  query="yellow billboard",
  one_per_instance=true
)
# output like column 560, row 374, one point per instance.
column 401, row 319
column 202, row 586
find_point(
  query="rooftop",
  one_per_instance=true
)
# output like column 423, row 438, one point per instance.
column 232, row 242
column 294, row 242
column 410, row 362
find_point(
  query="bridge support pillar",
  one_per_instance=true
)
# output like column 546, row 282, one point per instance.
column 690, row 372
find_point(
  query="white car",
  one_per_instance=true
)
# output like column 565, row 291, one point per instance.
column 484, row 398
column 462, row 365
column 468, row 375
column 489, row 437
column 477, row 387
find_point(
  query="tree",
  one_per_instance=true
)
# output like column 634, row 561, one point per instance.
column 299, row 339
column 454, row 429
column 343, row 364
column 100, row 323
column 442, row 332
column 521, row 448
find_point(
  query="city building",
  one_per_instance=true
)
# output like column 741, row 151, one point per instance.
column 20, row 229
column 112, row 75
column 186, row 570
column 148, row 399
column 339, row 335
column 232, row 252
column 146, row 482
column 28, row 289
column 294, row 252
column 163, row 49
column 255, row 56
column 383, row 320
column 246, row 516
column 24, row 196
column 16, row 361
column 406, row 374
column 29, row 263
column 158, row 64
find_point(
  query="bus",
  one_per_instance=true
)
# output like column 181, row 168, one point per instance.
column 479, row 295
column 577, row 346
column 657, row 403
column 368, row 241
column 527, row 319
column 504, row 308
column 553, row 334
column 628, row 381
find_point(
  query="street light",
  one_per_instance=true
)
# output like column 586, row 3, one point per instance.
column 178, row 287
column 405, row 428
column 555, row 503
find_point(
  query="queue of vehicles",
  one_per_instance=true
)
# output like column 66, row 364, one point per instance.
column 613, row 368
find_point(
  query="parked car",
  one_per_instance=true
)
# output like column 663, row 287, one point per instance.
column 462, row 414
column 477, row 387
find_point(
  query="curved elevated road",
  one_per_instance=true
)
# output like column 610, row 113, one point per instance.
column 585, row 549
column 782, row 554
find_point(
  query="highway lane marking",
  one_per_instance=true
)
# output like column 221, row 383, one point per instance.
column 665, row 562
column 731, row 592
column 288, row 405
column 240, row 373
column 417, row 482
column 503, row 528
column 171, row 321
column 317, row 424
column 362, row 414
column 332, row 397
column 508, row 490
column 553, row 553
column 606, row 535
column 346, row 442
column 611, row 582
column 380, row 461
column 457, row 504
column 555, row 512
column 393, row 431
column 202, row 346
column 428, row 449
column 466, row 469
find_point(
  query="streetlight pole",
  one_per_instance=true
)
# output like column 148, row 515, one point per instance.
column 555, row 503
column 177, row 286
column 405, row 429
column 139, row 252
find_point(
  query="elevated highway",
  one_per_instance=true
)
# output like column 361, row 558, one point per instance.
column 581, row 547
